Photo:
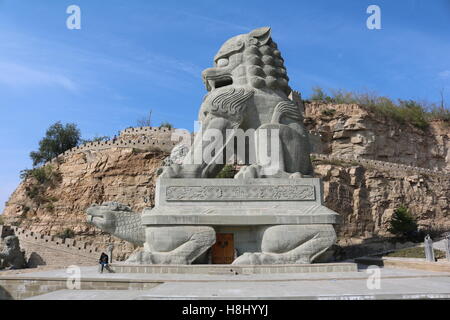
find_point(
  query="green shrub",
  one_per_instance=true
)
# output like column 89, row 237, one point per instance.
column 36, row 193
column 50, row 206
column 413, row 112
column 166, row 124
column 320, row 95
column 403, row 224
column 32, row 192
column 439, row 113
column 137, row 151
column 66, row 234
column 227, row 172
column 333, row 162
column 328, row 112
column 43, row 175
column 416, row 252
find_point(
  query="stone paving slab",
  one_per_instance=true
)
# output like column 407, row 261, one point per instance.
column 422, row 288
column 395, row 284
column 90, row 295
column 407, row 263
column 392, row 288
column 91, row 273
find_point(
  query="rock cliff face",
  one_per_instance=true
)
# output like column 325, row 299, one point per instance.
column 348, row 129
column 366, row 198
column 123, row 175
column 365, row 195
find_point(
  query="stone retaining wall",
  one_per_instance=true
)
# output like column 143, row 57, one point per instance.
column 18, row 288
column 50, row 250
column 234, row 269
column 377, row 164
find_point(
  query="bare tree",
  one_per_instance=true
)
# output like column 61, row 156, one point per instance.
column 442, row 99
column 145, row 121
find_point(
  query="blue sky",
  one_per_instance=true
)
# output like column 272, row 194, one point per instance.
column 133, row 56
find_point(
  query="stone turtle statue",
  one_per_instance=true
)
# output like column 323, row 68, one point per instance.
column 283, row 244
column 120, row 221
column 12, row 257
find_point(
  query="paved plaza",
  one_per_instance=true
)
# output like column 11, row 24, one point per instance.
column 394, row 284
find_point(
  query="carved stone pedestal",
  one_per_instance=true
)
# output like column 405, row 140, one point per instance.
column 270, row 221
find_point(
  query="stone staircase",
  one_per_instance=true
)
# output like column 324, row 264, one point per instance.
column 50, row 250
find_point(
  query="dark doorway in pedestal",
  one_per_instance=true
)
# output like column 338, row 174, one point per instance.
column 222, row 252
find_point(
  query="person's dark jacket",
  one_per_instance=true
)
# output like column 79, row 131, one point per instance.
column 104, row 258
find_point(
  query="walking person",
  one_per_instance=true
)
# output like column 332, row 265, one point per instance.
column 104, row 260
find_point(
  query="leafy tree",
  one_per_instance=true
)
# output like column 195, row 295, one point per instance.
column 402, row 223
column 66, row 234
column 58, row 138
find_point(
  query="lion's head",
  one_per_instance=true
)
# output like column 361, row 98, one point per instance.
column 248, row 77
column 12, row 243
column 248, row 60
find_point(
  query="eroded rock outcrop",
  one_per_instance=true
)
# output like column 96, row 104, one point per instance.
column 366, row 198
column 348, row 129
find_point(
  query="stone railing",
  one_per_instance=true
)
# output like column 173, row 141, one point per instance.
column 378, row 164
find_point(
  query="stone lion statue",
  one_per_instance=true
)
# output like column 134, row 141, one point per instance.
column 248, row 89
column 12, row 257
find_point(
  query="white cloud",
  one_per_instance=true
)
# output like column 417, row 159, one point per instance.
column 18, row 76
column 173, row 65
column 219, row 22
column 444, row 74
